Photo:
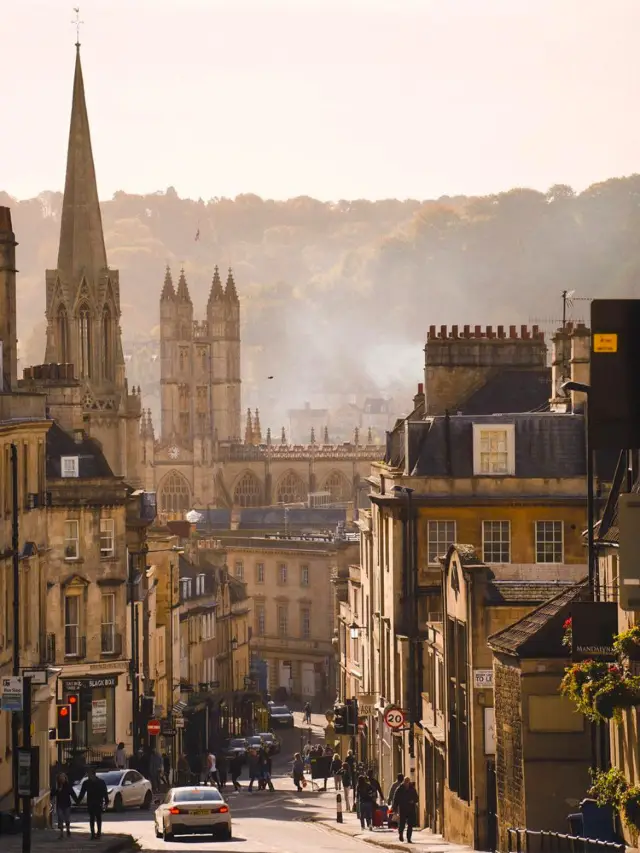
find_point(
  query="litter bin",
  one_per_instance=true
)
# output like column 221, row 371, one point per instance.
column 593, row 821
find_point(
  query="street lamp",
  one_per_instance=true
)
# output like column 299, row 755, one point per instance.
column 234, row 644
column 594, row 582
column 354, row 631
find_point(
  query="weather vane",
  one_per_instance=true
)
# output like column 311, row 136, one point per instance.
column 77, row 24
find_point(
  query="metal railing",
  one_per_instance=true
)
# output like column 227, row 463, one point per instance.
column 546, row 841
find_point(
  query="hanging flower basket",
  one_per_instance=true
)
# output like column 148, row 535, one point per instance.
column 567, row 637
column 600, row 690
column 627, row 644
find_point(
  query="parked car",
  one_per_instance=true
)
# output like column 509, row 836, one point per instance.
column 281, row 717
column 235, row 746
column 191, row 811
column 255, row 742
column 273, row 743
column 126, row 788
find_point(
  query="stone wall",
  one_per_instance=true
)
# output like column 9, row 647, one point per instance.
column 509, row 766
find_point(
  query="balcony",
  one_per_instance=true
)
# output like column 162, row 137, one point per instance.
column 75, row 646
column 110, row 641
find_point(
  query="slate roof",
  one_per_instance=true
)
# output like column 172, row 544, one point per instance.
column 513, row 592
column 540, row 633
column 274, row 518
column 92, row 461
column 510, row 391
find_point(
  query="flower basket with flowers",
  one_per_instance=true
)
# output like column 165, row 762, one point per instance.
column 567, row 637
column 627, row 643
column 600, row 690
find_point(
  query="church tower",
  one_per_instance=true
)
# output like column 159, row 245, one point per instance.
column 232, row 349
column 83, row 303
column 8, row 331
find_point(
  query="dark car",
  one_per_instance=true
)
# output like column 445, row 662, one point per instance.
column 255, row 742
column 235, row 746
column 281, row 717
column 271, row 741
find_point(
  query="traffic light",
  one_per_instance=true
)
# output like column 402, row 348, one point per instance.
column 340, row 721
column 74, row 700
column 63, row 722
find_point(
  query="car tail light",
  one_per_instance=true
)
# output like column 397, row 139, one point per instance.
column 174, row 810
column 223, row 809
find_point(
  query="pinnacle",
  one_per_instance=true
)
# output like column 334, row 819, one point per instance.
column 216, row 294
column 168, row 293
column 231, row 294
column 182, row 292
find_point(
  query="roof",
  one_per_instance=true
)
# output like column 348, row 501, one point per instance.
column 514, row 592
column 91, row 460
column 548, row 445
column 510, row 391
column 275, row 518
column 607, row 528
column 540, row 632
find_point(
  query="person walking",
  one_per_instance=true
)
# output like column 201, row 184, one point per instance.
column 155, row 770
column 336, row 767
column 235, row 766
column 394, row 788
column 298, row 771
column 366, row 798
column 221, row 764
column 405, row 802
column 307, row 713
column 375, row 786
column 96, row 793
column 183, row 770
column 120, row 757
column 254, row 768
column 211, row 770
column 63, row 795
column 346, row 777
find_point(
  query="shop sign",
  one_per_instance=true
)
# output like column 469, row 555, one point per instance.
column 74, row 685
column 12, row 693
column 99, row 716
column 367, row 705
column 179, row 722
column 594, row 625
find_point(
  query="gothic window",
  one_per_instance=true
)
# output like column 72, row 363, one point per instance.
column 184, row 358
column 62, row 335
column 247, row 491
column 107, row 337
column 291, row 489
column 338, row 485
column 85, row 341
column 203, row 359
column 201, row 422
column 174, row 494
column 183, row 393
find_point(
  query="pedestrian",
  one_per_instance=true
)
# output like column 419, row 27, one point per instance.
column 375, row 785
column 120, row 757
column 336, row 767
column 166, row 768
column 405, row 801
column 366, row 798
column 63, row 794
column 394, row 788
column 211, row 771
column 155, row 769
column 267, row 770
column 184, row 771
column 298, row 771
column 236, row 771
column 346, row 778
column 307, row 713
column 96, row 792
column 254, row 768
column 351, row 761
column 221, row 764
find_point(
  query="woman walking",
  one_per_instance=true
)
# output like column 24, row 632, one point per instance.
column 366, row 799
column 336, row 767
column 298, row 771
column 63, row 794
column 346, row 778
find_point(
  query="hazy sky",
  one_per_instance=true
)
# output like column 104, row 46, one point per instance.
column 348, row 99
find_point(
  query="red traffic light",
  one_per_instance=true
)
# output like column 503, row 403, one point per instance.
column 64, row 711
column 73, row 699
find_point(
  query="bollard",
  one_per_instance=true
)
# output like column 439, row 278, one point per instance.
column 339, row 808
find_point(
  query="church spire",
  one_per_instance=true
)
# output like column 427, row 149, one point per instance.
column 168, row 293
column 231, row 294
column 248, row 430
column 81, row 236
column 182, row 292
column 257, row 429
column 216, row 294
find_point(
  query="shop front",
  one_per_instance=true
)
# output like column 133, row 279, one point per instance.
column 103, row 716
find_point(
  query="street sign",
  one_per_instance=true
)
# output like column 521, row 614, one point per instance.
column 179, row 722
column 12, row 693
column 153, row 727
column 394, row 718
column 37, row 676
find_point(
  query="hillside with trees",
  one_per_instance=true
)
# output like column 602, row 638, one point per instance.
column 328, row 290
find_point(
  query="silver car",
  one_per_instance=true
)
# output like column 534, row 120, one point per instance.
column 193, row 810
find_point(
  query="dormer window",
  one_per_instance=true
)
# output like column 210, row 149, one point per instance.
column 200, row 584
column 186, row 587
column 494, row 450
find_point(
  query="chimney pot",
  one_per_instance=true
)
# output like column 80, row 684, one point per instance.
column 432, row 331
column 512, row 332
column 466, row 331
column 420, row 387
column 489, row 331
column 535, row 330
column 454, row 331
column 443, row 331
column 501, row 331
column 478, row 332
column 524, row 333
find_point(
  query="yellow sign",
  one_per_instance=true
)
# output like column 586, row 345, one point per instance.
column 605, row 343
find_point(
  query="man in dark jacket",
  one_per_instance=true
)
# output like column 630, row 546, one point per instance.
column 97, row 794
column 405, row 802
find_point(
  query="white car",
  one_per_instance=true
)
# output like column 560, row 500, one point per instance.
column 193, row 810
column 126, row 788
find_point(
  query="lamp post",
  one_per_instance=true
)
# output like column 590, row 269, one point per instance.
column 592, row 564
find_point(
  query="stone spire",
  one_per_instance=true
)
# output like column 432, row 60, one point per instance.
column 182, row 292
column 369, row 436
column 283, row 437
column 325, row 438
column 230, row 292
column 81, row 236
column 356, row 436
column 150, row 430
column 248, row 430
column 257, row 431
column 168, row 293
column 268, row 436
column 216, row 294
column 313, row 436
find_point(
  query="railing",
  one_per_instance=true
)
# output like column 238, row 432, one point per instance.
column 110, row 642
column 545, row 841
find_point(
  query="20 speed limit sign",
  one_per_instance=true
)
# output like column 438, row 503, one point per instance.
column 394, row 718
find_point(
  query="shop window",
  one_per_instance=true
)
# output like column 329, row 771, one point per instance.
column 107, row 537
column 101, row 720
column 71, row 540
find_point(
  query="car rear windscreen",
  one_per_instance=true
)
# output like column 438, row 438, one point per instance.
column 197, row 795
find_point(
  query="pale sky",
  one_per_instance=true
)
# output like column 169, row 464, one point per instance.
column 348, row 99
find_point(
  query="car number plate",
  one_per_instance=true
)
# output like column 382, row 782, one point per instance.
column 200, row 811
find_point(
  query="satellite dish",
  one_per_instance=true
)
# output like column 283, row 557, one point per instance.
column 193, row 516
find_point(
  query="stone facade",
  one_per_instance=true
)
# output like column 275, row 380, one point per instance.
column 509, row 765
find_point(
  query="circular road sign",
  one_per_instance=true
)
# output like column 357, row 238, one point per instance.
column 153, row 727
column 394, row 718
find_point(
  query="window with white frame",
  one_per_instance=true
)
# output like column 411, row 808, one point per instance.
column 282, row 573
column 107, row 537
column 305, row 623
column 304, row 576
column 494, row 450
column 496, row 541
column 108, row 627
column 72, row 625
column 200, row 584
column 549, row 542
column 71, row 539
column 283, row 621
column 239, row 570
column 260, row 620
column 259, row 572
column 440, row 534
column 186, row 587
